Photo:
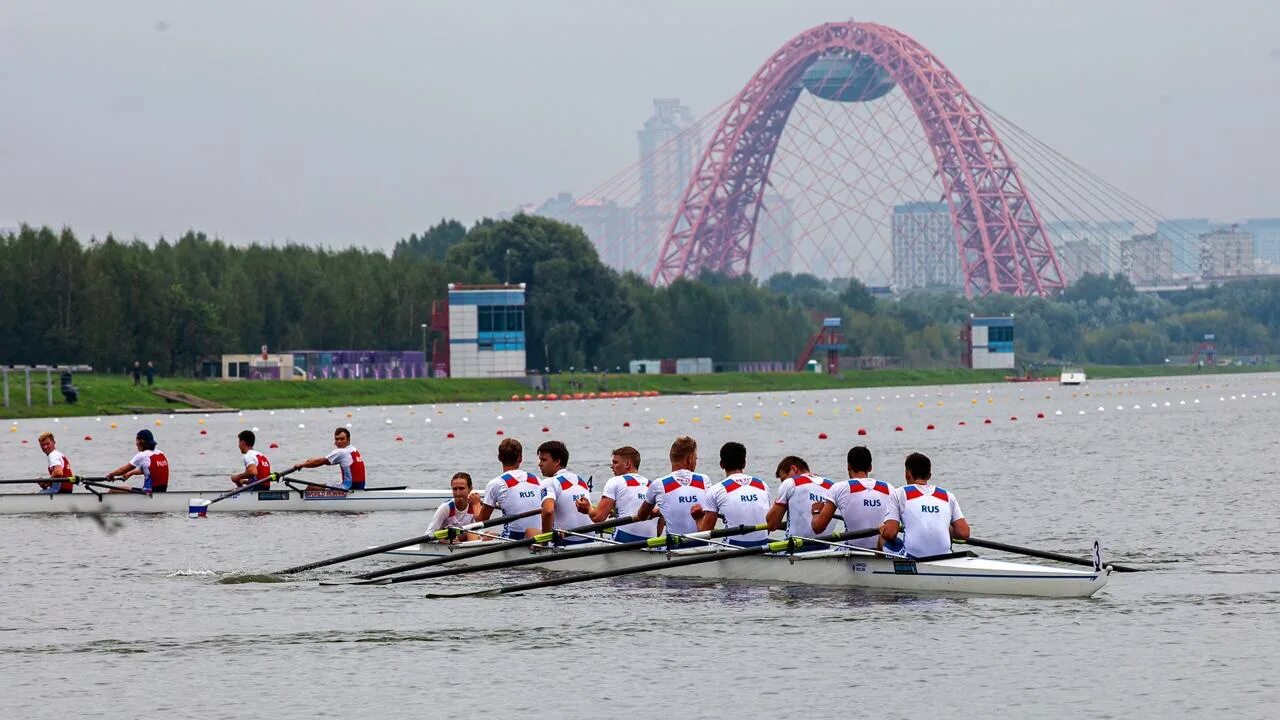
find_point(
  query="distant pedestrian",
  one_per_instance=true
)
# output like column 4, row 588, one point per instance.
column 151, row 373
column 137, row 373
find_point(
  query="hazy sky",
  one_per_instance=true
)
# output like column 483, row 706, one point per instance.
column 333, row 122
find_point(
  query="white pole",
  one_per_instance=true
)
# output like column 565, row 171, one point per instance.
column 28, row 372
column 6, row 387
column 48, row 383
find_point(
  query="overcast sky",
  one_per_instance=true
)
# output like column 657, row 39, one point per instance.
column 350, row 122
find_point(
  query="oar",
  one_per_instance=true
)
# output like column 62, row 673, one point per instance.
column 442, row 534
column 43, row 480
column 94, row 483
column 493, row 548
column 1043, row 554
column 788, row 545
column 199, row 507
column 541, row 558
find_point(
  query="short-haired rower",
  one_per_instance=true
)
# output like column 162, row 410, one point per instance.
column 927, row 516
column 798, row 492
column 623, row 494
column 561, row 490
column 861, row 500
column 741, row 499
column 675, row 495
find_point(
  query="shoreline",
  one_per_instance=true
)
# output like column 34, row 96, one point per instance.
column 115, row 395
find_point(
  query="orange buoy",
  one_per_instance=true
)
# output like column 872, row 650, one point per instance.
column 515, row 397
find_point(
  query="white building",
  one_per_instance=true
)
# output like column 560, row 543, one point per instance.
column 486, row 331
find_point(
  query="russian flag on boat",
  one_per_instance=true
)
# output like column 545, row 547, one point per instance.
column 197, row 508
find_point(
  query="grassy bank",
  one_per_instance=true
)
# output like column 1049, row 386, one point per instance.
column 114, row 395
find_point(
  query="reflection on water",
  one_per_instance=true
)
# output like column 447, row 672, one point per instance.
column 188, row 609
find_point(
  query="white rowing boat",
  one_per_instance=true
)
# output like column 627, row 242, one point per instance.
column 963, row 572
column 178, row 501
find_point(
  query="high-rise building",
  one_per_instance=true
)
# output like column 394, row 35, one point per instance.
column 924, row 247
column 1266, row 239
column 1227, row 252
column 669, row 147
column 773, row 248
column 1183, row 235
column 1147, row 259
column 1088, row 246
column 608, row 225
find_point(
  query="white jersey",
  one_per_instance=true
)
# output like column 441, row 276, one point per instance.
column 514, row 492
column 564, row 488
column 741, row 500
column 350, row 466
column 59, row 462
column 260, row 463
column 450, row 515
column 925, row 513
column 799, row 493
column 627, row 493
column 862, row 503
column 675, row 495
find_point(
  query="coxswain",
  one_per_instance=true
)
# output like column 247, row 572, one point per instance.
column 513, row 492
column 149, row 462
column 740, row 499
column 459, row 511
column 676, row 494
column 861, row 500
column 622, row 496
column 256, row 465
column 927, row 516
column 58, row 464
column 797, row 494
column 346, row 457
column 561, row 490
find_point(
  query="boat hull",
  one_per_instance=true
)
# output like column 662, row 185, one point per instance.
column 831, row 568
column 178, row 501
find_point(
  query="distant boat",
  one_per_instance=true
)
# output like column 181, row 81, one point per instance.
column 1072, row 376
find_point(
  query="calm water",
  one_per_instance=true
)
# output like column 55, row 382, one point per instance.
column 130, row 621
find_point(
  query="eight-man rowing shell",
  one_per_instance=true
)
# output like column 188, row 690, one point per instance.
column 282, row 500
column 963, row 572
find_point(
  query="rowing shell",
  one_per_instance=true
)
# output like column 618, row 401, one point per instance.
column 963, row 572
column 177, row 501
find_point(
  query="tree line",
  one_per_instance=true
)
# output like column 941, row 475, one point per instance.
column 176, row 302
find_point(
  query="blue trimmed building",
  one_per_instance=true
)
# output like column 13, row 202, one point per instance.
column 486, row 331
column 989, row 343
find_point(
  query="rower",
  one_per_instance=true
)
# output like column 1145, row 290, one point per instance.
column 797, row 494
column 347, row 458
column 459, row 511
column 675, row 495
column 561, row 491
column 149, row 462
column 741, row 499
column 256, row 465
column 861, row 500
column 927, row 515
column 58, row 464
column 513, row 492
column 622, row 495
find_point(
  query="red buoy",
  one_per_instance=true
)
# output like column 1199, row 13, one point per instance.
column 862, row 431
column 822, row 436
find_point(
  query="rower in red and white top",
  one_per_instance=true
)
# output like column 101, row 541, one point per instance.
column 623, row 495
column 561, row 491
column 797, row 494
column 256, row 465
column 459, row 511
column 58, row 465
column 926, row 516
column 348, row 459
column 675, row 495
column 149, row 462
column 513, row 492
column 861, row 500
column 741, row 499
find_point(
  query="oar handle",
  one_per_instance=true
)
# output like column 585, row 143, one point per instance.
column 119, row 488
